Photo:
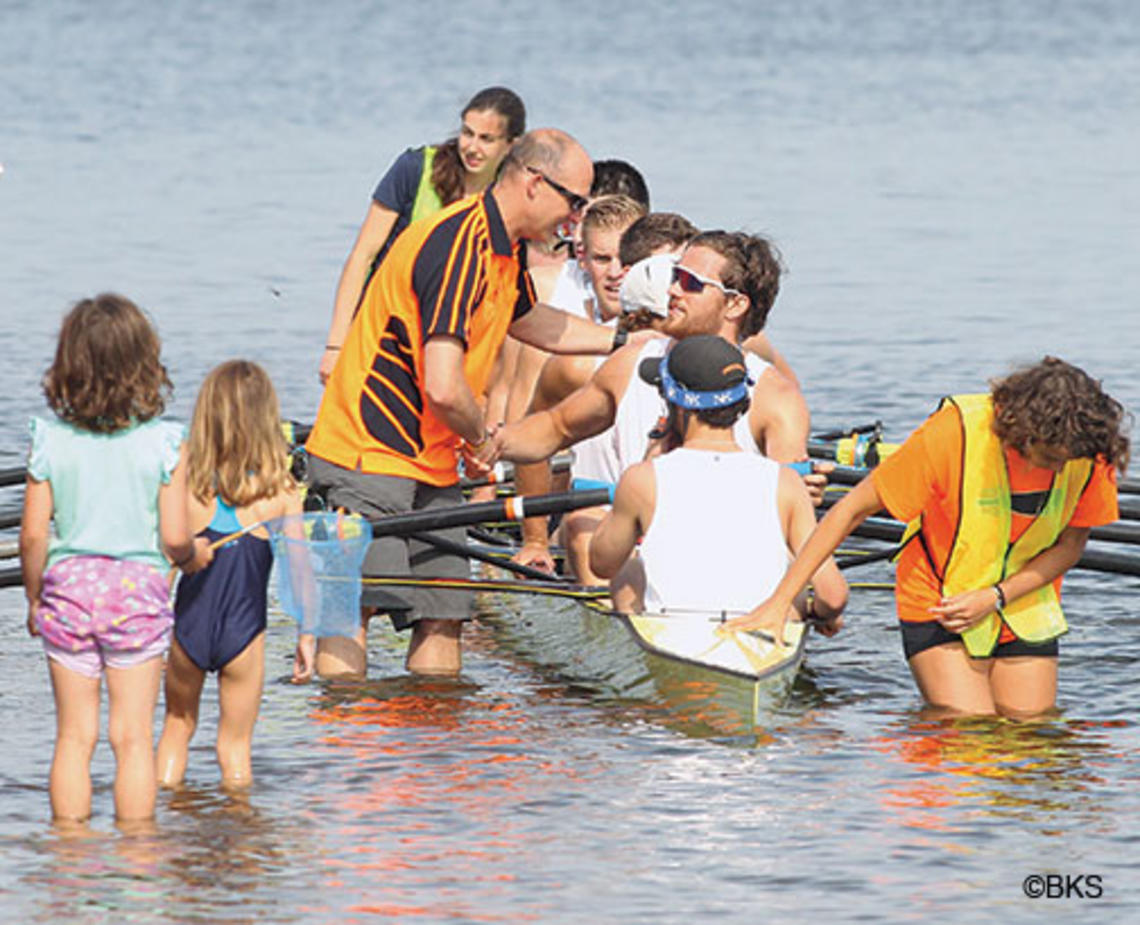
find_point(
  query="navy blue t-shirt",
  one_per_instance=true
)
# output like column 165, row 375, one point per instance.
column 397, row 191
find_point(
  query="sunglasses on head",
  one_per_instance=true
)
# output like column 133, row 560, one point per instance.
column 577, row 203
column 694, row 282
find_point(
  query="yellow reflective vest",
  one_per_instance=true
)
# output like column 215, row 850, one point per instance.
column 427, row 199
column 982, row 555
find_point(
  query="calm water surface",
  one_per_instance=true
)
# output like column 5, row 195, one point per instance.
column 954, row 188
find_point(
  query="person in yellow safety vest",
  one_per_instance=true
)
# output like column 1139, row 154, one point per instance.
column 419, row 183
column 1002, row 490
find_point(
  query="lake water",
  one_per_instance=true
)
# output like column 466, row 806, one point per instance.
column 954, row 187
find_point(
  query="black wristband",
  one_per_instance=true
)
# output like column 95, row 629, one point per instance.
column 620, row 337
column 1000, row 596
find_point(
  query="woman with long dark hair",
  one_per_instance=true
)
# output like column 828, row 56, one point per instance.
column 419, row 183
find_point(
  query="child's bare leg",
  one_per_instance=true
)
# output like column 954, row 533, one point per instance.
column 77, row 729
column 240, row 684
column 132, row 694
column 184, row 682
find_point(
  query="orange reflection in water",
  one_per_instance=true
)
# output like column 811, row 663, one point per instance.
column 438, row 772
column 1035, row 770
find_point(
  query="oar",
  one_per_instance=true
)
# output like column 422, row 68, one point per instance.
column 11, row 577
column 515, row 507
column 832, row 450
column 460, row 549
column 879, row 528
column 1121, row 531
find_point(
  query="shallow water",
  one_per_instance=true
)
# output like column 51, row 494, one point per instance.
column 954, row 189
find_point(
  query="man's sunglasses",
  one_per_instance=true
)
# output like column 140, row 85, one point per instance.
column 577, row 203
column 694, row 282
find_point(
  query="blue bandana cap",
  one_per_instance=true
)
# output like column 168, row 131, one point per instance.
column 700, row 373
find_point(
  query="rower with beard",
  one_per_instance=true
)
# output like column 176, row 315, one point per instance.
column 724, row 284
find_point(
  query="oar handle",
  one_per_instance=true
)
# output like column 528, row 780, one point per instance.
column 515, row 507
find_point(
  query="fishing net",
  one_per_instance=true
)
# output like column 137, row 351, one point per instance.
column 319, row 556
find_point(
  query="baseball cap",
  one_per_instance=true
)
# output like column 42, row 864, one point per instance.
column 646, row 285
column 701, row 372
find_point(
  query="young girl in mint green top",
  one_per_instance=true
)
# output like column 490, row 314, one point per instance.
column 105, row 471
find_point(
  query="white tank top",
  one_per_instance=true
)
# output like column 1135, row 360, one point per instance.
column 596, row 456
column 715, row 543
column 742, row 429
column 572, row 291
column 642, row 406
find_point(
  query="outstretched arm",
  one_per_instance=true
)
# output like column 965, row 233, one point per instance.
column 829, row 587
column 861, row 502
column 587, row 411
column 378, row 224
column 560, row 332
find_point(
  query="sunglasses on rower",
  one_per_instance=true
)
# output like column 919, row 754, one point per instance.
column 694, row 282
column 577, row 203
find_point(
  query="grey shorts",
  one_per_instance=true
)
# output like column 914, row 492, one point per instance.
column 378, row 495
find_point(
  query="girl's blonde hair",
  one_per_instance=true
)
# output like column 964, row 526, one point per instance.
column 106, row 374
column 236, row 449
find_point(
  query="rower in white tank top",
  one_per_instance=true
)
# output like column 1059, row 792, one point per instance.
column 695, row 489
column 641, row 407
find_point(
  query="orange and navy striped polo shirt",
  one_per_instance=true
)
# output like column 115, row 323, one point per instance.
column 454, row 274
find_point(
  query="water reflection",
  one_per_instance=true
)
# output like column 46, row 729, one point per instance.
column 434, row 774
column 85, row 871
column 1037, row 773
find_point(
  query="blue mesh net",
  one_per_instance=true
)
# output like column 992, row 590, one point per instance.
column 319, row 556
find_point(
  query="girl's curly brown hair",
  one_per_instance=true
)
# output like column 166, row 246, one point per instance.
column 107, row 373
column 1055, row 403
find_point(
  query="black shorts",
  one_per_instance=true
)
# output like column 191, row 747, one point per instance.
column 918, row 637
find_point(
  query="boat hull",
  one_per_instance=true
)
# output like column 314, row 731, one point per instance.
column 678, row 665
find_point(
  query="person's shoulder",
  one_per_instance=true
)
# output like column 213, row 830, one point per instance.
column 638, row 483
column 411, row 158
column 162, row 430
column 773, row 384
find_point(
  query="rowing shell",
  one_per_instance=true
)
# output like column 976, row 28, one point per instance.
column 705, row 681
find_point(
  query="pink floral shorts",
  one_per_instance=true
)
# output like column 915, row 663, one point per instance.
column 98, row 612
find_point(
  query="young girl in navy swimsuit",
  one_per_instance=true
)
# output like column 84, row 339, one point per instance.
column 238, row 475
column 107, row 472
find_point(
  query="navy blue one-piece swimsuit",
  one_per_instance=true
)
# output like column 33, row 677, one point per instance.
column 221, row 609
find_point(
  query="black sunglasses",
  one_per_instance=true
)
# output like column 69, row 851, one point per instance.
column 577, row 203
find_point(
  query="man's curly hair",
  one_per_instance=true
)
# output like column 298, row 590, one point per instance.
column 1055, row 403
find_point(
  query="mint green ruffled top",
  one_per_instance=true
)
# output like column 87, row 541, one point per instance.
column 105, row 487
